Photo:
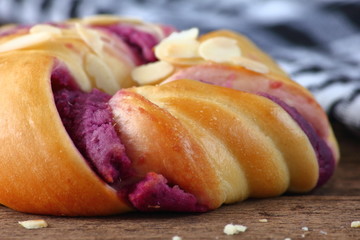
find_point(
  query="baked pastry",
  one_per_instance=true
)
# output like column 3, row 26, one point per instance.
column 81, row 137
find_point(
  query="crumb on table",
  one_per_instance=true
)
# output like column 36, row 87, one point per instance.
column 232, row 229
column 355, row 224
column 305, row 228
column 176, row 238
column 33, row 224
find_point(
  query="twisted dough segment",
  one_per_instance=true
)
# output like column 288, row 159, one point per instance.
column 275, row 82
column 41, row 171
column 220, row 144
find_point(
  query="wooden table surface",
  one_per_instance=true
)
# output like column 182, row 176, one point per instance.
column 326, row 212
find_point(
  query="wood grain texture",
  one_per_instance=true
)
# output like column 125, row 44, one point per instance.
column 327, row 212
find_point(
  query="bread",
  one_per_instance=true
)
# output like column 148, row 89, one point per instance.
column 182, row 145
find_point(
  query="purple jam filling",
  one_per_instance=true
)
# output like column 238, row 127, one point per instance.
column 89, row 123
column 154, row 194
column 324, row 154
column 141, row 42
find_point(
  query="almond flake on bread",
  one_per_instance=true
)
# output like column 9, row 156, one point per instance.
column 108, row 19
column 152, row 72
column 219, row 49
column 45, row 28
column 26, row 41
column 178, row 45
column 250, row 64
column 91, row 37
column 100, row 72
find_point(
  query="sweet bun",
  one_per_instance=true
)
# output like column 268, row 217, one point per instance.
column 105, row 115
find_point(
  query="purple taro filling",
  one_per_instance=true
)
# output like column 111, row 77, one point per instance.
column 89, row 123
column 323, row 152
column 88, row 120
column 141, row 42
column 61, row 79
column 154, row 194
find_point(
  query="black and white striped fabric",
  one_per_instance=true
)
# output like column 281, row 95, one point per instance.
column 316, row 42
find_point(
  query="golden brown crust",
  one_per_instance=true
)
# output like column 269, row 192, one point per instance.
column 156, row 141
column 220, row 144
column 242, row 79
column 41, row 170
column 275, row 82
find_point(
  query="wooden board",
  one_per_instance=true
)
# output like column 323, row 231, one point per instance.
column 326, row 212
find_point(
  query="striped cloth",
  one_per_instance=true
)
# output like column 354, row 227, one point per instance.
column 316, row 42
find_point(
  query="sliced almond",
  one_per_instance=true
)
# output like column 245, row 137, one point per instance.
column 45, row 28
column 152, row 72
column 250, row 64
column 219, row 49
column 108, row 19
column 153, row 29
column 185, row 61
column 101, row 73
column 34, row 224
column 182, row 44
column 26, row 41
column 121, row 69
column 177, row 49
column 75, row 66
column 74, row 63
column 191, row 33
column 91, row 37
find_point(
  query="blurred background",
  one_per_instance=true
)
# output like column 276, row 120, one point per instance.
column 316, row 42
